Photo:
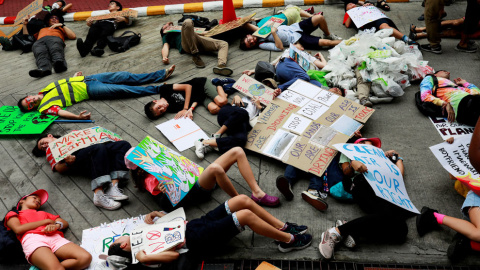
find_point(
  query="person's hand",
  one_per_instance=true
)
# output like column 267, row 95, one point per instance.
column 120, row 19
column 25, row 20
column 459, row 81
column 257, row 103
column 318, row 55
column 48, row 221
column 181, row 114
column 249, row 72
column 165, row 60
column 273, row 30
column 238, row 101
column 277, row 92
column 189, row 114
column 390, row 153
column 450, row 112
column 89, row 22
column 140, row 256
column 359, row 166
column 70, row 159
column 357, row 134
column 84, row 115
column 149, row 217
column 51, row 228
column 162, row 188
column 56, row 25
column 450, row 140
column 78, row 73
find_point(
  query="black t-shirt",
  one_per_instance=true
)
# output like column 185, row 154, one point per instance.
column 176, row 99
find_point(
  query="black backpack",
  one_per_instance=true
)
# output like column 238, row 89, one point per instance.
column 10, row 248
column 428, row 108
column 124, row 41
column 198, row 21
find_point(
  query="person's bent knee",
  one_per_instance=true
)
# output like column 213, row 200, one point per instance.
column 237, row 151
column 244, row 200
column 213, row 108
column 84, row 259
column 384, row 26
column 245, row 216
column 215, row 168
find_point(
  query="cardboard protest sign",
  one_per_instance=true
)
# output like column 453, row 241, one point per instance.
column 31, row 9
column 222, row 28
column 302, row 58
column 447, row 129
column 253, row 88
column 177, row 172
column 178, row 29
column 124, row 13
column 76, row 140
column 383, row 176
column 454, row 158
column 97, row 240
column 301, row 131
column 182, row 132
column 13, row 121
column 363, row 15
column 266, row 29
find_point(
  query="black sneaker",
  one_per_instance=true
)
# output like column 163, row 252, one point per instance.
column 39, row 73
column 471, row 48
column 81, row 48
column 295, row 229
column 426, row 221
column 59, row 66
column 97, row 52
column 458, row 248
column 284, row 187
column 300, row 241
column 428, row 48
column 222, row 81
column 421, row 18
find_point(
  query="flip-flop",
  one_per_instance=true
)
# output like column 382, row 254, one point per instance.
column 383, row 5
column 169, row 71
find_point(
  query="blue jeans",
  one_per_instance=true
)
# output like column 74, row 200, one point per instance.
column 115, row 85
column 291, row 173
column 288, row 71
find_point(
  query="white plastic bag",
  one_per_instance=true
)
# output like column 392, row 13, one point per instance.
column 384, row 33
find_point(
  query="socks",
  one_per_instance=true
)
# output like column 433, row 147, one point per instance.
column 284, row 226
column 405, row 38
column 439, row 217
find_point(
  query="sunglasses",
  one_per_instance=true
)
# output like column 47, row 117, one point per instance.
column 30, row 103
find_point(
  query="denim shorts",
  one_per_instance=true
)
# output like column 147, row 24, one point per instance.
column 472, row 200
column 212, row 231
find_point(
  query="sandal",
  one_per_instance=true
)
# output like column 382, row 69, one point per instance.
column 266, row 200
column 383, row 5
column 413, row 32
column 169, row 72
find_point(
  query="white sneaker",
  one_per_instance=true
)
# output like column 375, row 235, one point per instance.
column 201, row 149
column 101, row 200
column 349, row 241
column 330, row 238
column 332, row 36
column 113, row 192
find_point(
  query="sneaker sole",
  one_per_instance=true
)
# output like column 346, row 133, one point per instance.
column 222, row 71
column 118, row 199
column 318, row 203
column 108, row 208
column 284, row 188
column 285, row 250
column 465, row 51
column 432, row 51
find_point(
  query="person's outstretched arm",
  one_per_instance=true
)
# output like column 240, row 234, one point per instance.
column 68, row 115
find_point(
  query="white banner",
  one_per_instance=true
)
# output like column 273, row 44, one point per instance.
column 363, row 15
column 447, row 129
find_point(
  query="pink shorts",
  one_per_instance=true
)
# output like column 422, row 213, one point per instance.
column 32, row 241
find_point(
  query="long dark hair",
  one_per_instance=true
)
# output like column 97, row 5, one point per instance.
column 138, row 178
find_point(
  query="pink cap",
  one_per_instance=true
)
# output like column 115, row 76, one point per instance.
column 375, row 141
column 42, row 193
column 130, row 165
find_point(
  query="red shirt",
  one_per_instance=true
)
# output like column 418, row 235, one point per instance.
column 51, row 159
column 150, row 183
column 345, row 17
column 31, row 215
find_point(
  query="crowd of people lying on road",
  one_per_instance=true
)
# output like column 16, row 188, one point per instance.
column 41, row 233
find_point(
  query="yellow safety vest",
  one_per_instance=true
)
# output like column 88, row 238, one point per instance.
column 64, row 93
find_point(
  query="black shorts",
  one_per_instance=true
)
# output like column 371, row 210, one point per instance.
column 307, row 40
column 379, row 22
column 212, row 231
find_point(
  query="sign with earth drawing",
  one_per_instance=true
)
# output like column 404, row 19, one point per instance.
column 13, row 121
column 253, row 88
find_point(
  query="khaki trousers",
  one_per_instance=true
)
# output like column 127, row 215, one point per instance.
column 433, row 17
column 363, row 88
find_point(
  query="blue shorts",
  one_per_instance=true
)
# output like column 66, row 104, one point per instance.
column 472, row 200
column 212, row 231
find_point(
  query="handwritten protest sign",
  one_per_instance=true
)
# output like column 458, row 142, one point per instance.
column 177, row 172
column 383, row 176
column 454, row 158
column 32, row 9
column 302, row 58
column 182, row 132
column 252, row 88
column 76, row 140
column 97, row 240
column 222, row 28
column 301, row 131
column 13, row 121
column 124, row 13
column 447, row 129
column 363, row 15
column 266, row 29
column 178, row 29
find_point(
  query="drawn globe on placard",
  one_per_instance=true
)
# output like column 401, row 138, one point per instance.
column 256, row 89
column 264, row 31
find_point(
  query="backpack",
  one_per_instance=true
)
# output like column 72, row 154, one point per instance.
column 428, row 108
column 198, row 21
column 11, row 250
column 23, row 42
column 264, row 70
column 124, row 41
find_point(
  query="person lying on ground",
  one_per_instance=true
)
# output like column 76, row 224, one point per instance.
column 102, row 162
column 100, row 30
column 450, row 29
column 460, row 99
column 288, row 71
column 192, row 43
column 110, row 85
column 41, row 235
column 286, row 35
column 49, row 46
column 183, row 98
column 212, row 232
column 215, row 174
column 36, row 22
column 384, row 219
column 380, row 3
column 383, row 23
column 291, row 14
